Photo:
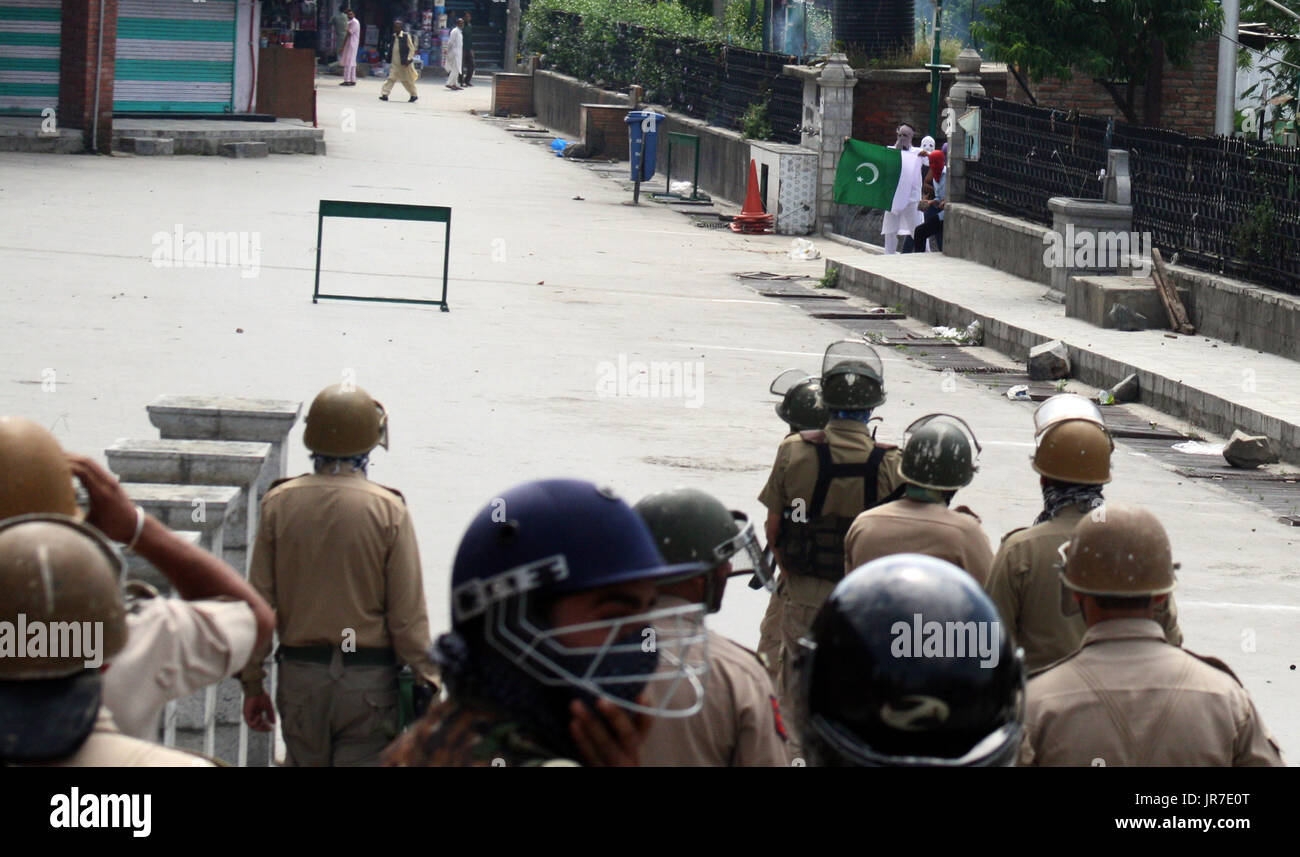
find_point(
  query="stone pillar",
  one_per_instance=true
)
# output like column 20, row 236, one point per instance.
column 968, row 83
column 81, row 52
column 835, row 99
column 1087, row 234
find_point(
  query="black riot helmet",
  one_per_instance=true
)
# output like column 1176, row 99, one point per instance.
column 909, row 665
column 853, row 378
column 939, row 452
column 802, row 406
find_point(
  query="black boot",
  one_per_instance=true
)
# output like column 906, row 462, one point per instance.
column 383, row 98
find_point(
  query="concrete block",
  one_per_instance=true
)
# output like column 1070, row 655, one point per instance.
column 244, row 149
column 1249, row 452
column 148, row 145
column 228, row 418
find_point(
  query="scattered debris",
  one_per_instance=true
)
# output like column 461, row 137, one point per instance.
column 557, row 146
column 801, row 249
column 578, row 197
column 1198, row 447
column 1019, row 393
column 1169, row 296
column 577, row 151
column 1049, row 361
column 682, row 188
column 1249, row 451
column 972, row 334
column 1126, row 390
column 1123, row 318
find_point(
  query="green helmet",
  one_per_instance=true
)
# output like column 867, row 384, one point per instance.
column 939, row 452
column 801, row 404
column 853, row 378
column 691, row 526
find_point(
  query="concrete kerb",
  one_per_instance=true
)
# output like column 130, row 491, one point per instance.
column 1169, row 395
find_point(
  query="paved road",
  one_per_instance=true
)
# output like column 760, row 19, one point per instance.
column 548, row 295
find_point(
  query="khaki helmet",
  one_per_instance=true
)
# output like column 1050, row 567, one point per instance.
column 55, row 569
column 344, row 421
column 1119, row 550
column 34, row 471
column 1074, row 450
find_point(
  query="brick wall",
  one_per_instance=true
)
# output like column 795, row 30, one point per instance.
column 78, row 54
column 884, row 98
column 1188, row 95
column 512, row 93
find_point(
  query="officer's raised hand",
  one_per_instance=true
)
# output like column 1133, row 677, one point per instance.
column 609, row 737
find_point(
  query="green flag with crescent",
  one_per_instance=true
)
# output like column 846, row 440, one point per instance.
column 868, row 175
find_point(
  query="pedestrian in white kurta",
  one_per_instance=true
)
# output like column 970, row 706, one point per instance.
column 455, row 45
column 903, row 221
column 348, row 53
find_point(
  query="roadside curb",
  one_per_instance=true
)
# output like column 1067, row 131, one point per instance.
column 1199, row 407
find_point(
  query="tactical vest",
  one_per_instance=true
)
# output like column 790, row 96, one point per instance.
column 815, row 546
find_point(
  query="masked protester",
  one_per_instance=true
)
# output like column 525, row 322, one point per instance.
column 1072, row 457
column 939, row 457
column 336, row 556
column 1127, row 696
column 820, row 482
column 558, row 653
column 740, row 724
column 908, row 666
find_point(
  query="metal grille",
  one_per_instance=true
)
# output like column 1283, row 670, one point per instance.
column 705, row 80
column 1225, row 205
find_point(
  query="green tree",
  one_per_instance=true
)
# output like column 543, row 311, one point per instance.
column 1122, row 44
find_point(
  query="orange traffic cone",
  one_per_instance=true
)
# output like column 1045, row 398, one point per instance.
column 752, row 220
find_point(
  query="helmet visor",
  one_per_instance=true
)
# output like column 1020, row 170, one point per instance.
column 663, row 652
column 747, row 555
column 788, row 379
column 1066, row 406
column 852, row 356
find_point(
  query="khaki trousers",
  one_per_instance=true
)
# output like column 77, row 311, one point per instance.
column 801, row 597
column 336, row 716
column 398, row 73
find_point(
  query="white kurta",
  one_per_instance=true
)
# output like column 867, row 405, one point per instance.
column 452, row 55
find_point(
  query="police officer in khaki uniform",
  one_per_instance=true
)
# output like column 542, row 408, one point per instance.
column 175, row 646
column 1073, row 458
column 801, row 408
column 939, row 457
column 740, row 724
column 1128, row 697
column 819, row 483
column 55, row 569
column 336, row 556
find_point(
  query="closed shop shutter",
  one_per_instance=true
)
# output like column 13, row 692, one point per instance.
column 174, row 56
column 29, row 55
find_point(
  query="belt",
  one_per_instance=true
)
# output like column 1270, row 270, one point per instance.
column 325, row 655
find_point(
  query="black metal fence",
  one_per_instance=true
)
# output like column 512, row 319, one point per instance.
column 1224, row 205
column 706, row 80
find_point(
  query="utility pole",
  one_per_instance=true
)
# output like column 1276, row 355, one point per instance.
column 1225, row 106
column 936, row 69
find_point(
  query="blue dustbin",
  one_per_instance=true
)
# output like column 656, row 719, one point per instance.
column 643, row 124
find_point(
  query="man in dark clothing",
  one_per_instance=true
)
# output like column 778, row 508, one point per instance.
column 467, row 61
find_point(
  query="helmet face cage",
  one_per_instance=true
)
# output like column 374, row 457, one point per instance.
column 669, row 645
column 852, row 356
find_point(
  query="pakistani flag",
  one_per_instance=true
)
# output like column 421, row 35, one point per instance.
column 868, row 175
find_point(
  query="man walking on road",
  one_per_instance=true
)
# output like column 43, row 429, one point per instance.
column 467, row 50
column 336, row 557
column 401, row 67
column 455, row 43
